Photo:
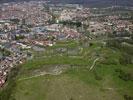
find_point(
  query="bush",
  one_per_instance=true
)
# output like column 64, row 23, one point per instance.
column 125, row 59
column 127, row 97
column 97, row 77
column 124, row 75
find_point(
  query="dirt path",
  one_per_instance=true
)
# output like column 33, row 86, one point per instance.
column 41, row 74
column 94, row 62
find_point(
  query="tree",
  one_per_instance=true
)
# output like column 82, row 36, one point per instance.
column 19, row 37
column 15, row 21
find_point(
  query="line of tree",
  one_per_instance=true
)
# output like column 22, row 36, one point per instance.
column 71, row 23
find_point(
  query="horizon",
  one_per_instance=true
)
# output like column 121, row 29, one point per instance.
column 88, row 3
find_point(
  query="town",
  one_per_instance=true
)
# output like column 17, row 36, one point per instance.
column 27, row 27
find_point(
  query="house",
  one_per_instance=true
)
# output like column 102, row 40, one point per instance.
column 3, row 37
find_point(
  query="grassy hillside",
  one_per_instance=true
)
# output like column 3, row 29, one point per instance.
column 107, row 80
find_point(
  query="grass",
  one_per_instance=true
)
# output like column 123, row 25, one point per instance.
column 63, row 87
column 53, row 58
column 82, row 74
column 55, row 61
column 78, row 82
column 68, row 44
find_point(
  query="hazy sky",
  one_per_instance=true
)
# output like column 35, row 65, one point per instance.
column 87, row 2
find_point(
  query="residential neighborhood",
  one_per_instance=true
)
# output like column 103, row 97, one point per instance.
column 65, row 51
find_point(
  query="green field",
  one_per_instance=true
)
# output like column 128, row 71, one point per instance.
column 75, row 84
column 77, row 81
column 63, row 87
